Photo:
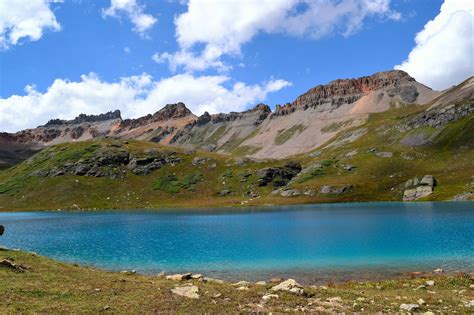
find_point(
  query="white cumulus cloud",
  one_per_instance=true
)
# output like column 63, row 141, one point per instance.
column 25, row 19
column 142, row 22
column 206, row 93
column 222, row 27
column 135, row 96
column 444, row 51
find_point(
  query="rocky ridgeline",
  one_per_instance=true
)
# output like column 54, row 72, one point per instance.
column 83, row 118
column 170, row 111
column 261, row 110
column 415, row 188
column 348, row 91
column 113, row 163
column 252, row 117
column 69, row 129
column 253, row 132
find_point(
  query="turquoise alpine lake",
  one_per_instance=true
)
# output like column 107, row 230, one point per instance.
column 309, row 242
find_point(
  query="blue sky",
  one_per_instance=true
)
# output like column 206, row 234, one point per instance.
column 92, row 56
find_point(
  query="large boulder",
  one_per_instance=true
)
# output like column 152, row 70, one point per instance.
column 415, row 189
column 189, row 291
column 179, row 277
column 428, row 180
column 2, row 230
column 289, row 285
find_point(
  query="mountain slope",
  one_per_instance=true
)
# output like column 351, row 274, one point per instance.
column 375, row 160
column 312, row 119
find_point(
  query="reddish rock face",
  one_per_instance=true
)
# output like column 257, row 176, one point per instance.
column 345, row 91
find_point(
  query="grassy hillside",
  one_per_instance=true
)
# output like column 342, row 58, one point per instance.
column 368, row 163
column 42, row 285
column 383, row 163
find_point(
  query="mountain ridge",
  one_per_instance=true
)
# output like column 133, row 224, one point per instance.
column 312, row 119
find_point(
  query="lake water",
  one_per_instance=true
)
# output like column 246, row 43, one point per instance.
column 311, row 242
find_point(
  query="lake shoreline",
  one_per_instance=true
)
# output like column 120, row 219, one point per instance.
column 236, row 207
column 308, row 277
column 33, row 283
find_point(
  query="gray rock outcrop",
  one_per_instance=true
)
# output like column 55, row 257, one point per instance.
column 290, row 193
column 334, row 190
column 439, row 116
column 415, row 189
column 279, row 176
column 112, row 163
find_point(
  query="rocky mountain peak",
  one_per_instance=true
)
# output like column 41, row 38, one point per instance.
column 171, row 111
column 203, row 119
column 346, row 91
column 261, row 107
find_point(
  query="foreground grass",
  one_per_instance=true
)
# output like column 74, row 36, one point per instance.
column 48, row 286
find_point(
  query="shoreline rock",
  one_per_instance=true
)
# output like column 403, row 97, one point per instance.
column 415, row 189
column 289, row 285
